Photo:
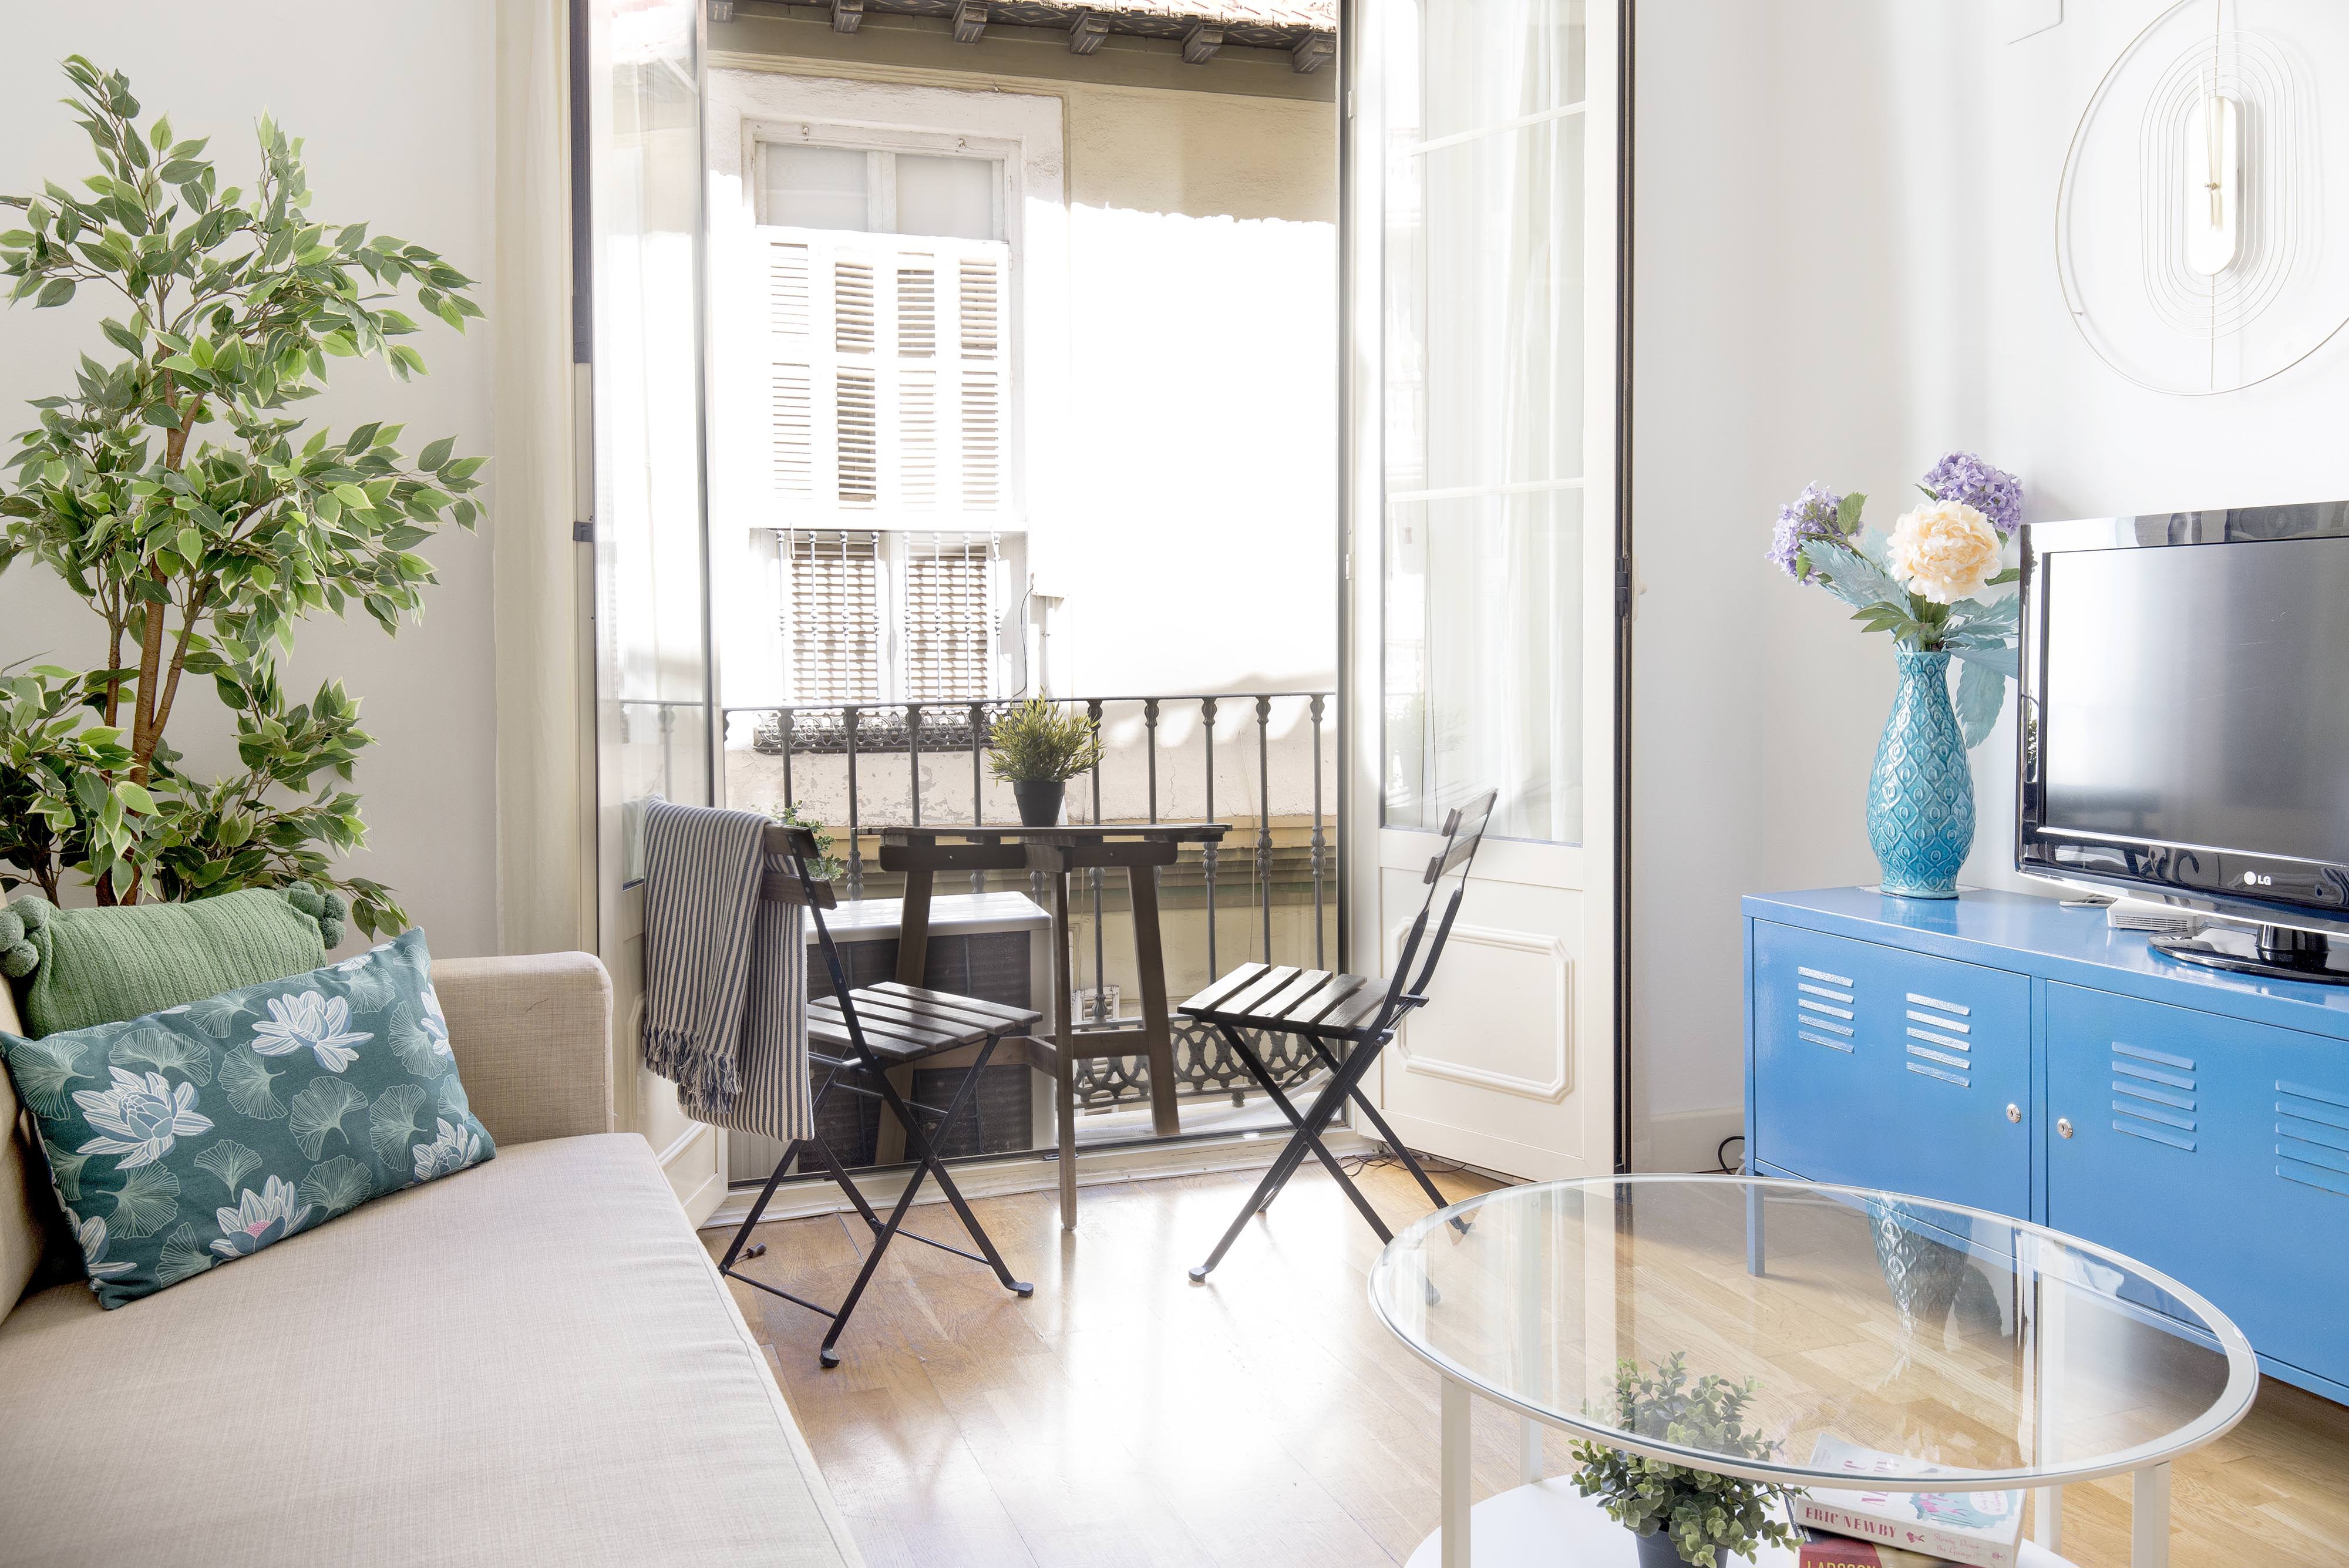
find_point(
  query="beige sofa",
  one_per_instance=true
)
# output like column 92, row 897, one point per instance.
column 530, row 1362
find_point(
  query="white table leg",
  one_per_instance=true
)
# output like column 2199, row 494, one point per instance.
column 1529, row 1450
column 2149, row 1519
column 2044, row 1328
column 1457, row 1449
column 2047, row 1518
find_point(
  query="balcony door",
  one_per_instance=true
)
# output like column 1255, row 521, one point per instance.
column 1481, row 168
column 636, row 82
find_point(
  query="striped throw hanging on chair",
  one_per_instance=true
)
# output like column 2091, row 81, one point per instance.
column 725, row 975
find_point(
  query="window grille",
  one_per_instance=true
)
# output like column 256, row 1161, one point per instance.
column 833, row 618
column 949, row 616
column 900, row 617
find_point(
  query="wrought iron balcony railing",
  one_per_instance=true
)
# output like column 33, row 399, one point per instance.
column 1260, row 760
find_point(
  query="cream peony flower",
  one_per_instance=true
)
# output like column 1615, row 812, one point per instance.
column 1944, row 550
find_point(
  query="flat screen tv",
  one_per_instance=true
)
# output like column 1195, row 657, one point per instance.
column 2184, row 725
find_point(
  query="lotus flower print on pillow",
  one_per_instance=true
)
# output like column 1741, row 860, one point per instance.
column 454, row 1149
column 309, row 1020
column 139, row 1118
column 259, row 1219
column 201, row 1134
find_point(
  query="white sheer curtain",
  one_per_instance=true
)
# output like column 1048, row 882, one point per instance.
column 1483, row 408
column 652, row 614
column 546, row 898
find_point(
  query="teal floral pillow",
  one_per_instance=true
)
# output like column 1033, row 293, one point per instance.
column 196, row 1135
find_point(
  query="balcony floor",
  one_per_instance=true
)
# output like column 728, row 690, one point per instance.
column 1125, row 1417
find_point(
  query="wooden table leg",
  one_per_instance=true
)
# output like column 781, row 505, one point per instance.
column 914, row 929
column 1064, row 1036
column 913, row 963
column 1150, row 957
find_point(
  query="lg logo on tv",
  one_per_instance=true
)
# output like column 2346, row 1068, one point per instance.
column 2254, row 879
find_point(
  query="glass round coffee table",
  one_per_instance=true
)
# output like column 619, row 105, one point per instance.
column 1970, row 1353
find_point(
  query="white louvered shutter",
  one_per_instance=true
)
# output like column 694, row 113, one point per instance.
column 889, row 384
column 889, row 411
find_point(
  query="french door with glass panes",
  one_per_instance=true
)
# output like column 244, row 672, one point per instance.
column 1481, row 161
column 638, row 130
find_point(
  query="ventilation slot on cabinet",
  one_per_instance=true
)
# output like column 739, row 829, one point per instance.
column 1942, row 1047
column 1823, row 1009
column 2312, row 1136
column 2153, row 1096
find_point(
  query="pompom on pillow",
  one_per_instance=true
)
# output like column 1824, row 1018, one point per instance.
column 200, row 1134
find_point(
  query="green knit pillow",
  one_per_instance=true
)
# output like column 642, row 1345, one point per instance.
column 103, row 966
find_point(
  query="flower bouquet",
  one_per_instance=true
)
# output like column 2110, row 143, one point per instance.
column 1928, row 584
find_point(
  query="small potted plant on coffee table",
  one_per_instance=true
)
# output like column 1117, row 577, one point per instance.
column 1037, row 748
column 1682, row 1515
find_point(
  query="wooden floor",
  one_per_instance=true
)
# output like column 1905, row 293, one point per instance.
column 1124, row 1416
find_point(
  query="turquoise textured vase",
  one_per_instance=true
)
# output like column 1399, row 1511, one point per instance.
column 1920, row 794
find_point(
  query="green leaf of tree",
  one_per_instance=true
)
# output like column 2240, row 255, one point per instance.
column 178, row 490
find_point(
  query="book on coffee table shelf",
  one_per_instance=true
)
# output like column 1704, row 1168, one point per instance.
column 1981, row 1529
column 1816, row 1548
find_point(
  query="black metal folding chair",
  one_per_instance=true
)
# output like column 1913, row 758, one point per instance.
column 855, row 1037
column 1347, row 1021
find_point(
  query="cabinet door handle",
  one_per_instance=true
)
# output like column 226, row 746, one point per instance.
column 2014, row 1113
column 2064, row 1125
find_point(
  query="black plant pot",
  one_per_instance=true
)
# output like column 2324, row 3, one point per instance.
column 1657, row 1551
column 1039, row 800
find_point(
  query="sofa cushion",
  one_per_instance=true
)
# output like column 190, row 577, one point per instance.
column 202, row 1133
column 532, row 1362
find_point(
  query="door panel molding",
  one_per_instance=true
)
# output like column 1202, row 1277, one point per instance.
column 1559, row 1082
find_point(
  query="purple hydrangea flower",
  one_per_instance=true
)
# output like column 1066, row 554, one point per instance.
column 1993, row 491
column 1808, row 516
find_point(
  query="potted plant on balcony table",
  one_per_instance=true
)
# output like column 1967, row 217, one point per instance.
column 1037, row 748
column 1682, row 1515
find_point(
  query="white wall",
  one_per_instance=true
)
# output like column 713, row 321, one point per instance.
column 1844, row 269
column 1197, row 543
column 400, row 112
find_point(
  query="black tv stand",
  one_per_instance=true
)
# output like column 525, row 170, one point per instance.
column 2278, row 952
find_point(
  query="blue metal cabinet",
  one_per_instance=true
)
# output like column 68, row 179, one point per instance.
column 1886, row 1039
column 2214, row 1149
column 1880, row 1068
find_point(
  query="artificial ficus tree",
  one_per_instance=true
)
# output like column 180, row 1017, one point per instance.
column 202, row 520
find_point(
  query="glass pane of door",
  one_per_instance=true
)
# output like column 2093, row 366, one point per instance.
column 652, row 617
column 1484, row 425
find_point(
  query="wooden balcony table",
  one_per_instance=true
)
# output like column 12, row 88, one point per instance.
column 920, row 851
